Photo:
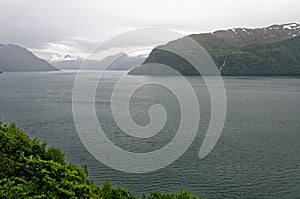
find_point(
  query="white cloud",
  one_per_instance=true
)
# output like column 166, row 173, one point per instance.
column 84, row 23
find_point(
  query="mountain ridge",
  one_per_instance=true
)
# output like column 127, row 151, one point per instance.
column 120, row 61
column 16, row 58
column 228, row 47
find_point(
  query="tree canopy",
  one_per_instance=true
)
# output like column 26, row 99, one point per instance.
column 29, row 170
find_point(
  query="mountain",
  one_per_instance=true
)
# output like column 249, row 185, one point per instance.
column 68, row 62
column 58, row 58
column 120, row 61
column 16, row 58
column 277, row 58
column 272, row 50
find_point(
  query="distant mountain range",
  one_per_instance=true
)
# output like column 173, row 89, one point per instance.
column 119, row 61
column 16, row 58
column 273, row 50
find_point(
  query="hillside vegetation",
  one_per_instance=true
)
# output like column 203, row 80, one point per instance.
column 274, row 50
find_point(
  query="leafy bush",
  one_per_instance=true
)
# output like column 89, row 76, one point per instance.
column 29, row 170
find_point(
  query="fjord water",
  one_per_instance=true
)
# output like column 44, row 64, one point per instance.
column 257, row 155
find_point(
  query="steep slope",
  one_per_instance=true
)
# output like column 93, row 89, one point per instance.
column 278, row 58
column 16, row 58
column 229, row 48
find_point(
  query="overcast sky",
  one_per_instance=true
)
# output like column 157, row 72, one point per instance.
column 75, row 27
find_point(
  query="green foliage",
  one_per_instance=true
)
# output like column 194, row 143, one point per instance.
column 181, row 194
column 108, row 192
column 56, row 155
column 29, row 170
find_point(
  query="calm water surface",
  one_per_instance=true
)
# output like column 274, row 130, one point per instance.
column 257, row 155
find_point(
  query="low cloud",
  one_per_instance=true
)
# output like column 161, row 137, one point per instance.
column 47, row 25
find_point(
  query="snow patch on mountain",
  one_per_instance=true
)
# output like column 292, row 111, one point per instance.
column 291, row 26
column 59, row 58
column 234, row 30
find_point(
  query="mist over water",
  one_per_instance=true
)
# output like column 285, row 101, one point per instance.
column 257, row 154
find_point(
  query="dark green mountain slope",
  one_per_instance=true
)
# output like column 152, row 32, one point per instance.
column 273, row 50
column 278, row 58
